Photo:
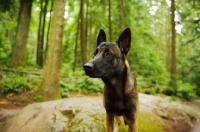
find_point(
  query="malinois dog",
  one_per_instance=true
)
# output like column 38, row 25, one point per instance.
column 120, row 92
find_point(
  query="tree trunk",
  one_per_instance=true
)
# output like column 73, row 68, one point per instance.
column 83, row 36
column 40, row 43
column 121, row 15
column 109, row 20
column 50, row 85
column 76, row 43
column 173, row 45
column 166, row 29
column 19, row 52
column 48, row 30
column 40, row 38
column 168, row 45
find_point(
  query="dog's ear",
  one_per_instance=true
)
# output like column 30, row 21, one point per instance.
column 124, row 41
column 101, row 37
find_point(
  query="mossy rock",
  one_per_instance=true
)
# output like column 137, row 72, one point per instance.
column 149, row 123
column 94, row 121
column 71, row 115
column 146, row 123
column 87, row 122
column 90, row 119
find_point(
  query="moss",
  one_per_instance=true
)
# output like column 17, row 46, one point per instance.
column 94, row 121
column 146, row 123
column 37, row 96
column 149, row 123
column 88, row 122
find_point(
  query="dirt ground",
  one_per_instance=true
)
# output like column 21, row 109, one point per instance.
column 172, row 118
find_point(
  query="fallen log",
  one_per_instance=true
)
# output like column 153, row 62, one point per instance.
column 19, row 71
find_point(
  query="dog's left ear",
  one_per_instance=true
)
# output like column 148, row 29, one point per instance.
column 124, row 41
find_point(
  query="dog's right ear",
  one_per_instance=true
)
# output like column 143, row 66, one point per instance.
column 101, row 37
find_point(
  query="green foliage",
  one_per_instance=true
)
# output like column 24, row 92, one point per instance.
column 189, row 69
column 5, row 5
column 185, row 91
column 15, row 83
column 195, row 72
column 86, row 84
column 149, row 49
column 188, row 66
column 8, row 26
column 81, row 84
column 152, row 85
column 146, row 123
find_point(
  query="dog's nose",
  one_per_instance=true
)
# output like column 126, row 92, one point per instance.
column 88, row 66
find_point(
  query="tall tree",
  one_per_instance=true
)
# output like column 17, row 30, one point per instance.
column 19, row 52
column 50, row 86
column 83, row 35
column 173, row 44
column 163, row 34
column 48, row 29
column 109, row 20
column 121, row 15
column 76, row 43
column 41, row 27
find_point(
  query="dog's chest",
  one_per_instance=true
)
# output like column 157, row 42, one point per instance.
column 114, row 107
column 118, row 107
column 116, row 103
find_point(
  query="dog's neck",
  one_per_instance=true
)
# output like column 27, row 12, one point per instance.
column 114, row 87
column 119, row 85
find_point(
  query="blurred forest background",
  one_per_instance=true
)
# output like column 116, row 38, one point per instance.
column 44, row 44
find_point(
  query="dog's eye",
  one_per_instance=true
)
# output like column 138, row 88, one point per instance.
column 108, row 54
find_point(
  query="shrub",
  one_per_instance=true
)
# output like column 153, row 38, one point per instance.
column 185, row 91
column 82, row 84
column 14, row 83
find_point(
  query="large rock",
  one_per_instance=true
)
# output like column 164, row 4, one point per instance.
column 81, row 114
column 72, row 114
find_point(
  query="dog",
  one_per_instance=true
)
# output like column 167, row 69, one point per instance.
column 120, row 94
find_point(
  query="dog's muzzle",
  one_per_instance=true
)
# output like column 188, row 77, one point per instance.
column 92, row 70
column 88, row 67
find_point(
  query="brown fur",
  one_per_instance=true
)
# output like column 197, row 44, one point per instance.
column 120, row 90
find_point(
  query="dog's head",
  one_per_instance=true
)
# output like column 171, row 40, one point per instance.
column 109, row 57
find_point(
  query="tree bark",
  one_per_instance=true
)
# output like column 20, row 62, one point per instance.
column 109, row 20
column 39, row 37
column 121, row 15
column 166, row 27
column 173, row 45
column 50, row 86
column 41, row 27
column 19, row 51
column 48, row 30
column 83, row 36
column 76, row 43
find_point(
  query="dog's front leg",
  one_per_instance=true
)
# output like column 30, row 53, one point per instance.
column 132, row 127
column 118, row 124
column 131, row 121
column 109, row 122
